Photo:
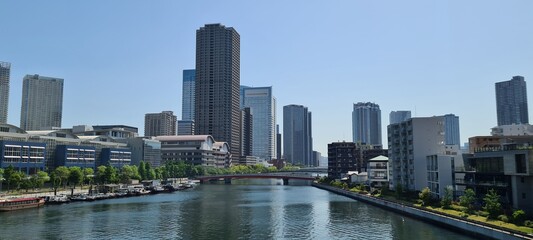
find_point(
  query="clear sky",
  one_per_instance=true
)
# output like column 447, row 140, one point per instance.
column 122, row 59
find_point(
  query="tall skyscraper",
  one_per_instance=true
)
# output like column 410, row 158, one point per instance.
column 399, row 116
column 160, row 124
column 241, row 94
column 217, row 110
column 187, row 99
column 511, row 101
column 247, row 137
column 366, row 123
column 278, row 142
column 5, row 69
column 451, row 130
column 297, row 135
column 263, row 106
column 42, row 103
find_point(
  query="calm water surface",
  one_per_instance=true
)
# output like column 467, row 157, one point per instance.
column 245, row 210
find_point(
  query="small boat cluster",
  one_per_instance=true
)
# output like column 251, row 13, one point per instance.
column 119, row 191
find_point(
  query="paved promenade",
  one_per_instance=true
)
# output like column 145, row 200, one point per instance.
column 41, row 194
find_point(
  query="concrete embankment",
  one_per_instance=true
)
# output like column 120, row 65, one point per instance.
column 470, row 228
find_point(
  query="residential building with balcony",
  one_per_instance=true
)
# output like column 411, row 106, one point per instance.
column 378, row 172
column 410, row 142
column 341, row 159
column 440, row 169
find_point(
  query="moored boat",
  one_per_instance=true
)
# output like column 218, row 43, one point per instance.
column 57, row 199
column 20, row 203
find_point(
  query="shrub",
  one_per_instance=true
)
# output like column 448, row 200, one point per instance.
column 468, row 199
column 492, row 204
column 463, row 215
column 447, row 198
column 519, row 216
column 483, row 213
column 503, row 218
column 528, row 223
column 425, row 196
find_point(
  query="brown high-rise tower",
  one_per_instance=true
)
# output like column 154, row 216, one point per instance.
column 217, row 93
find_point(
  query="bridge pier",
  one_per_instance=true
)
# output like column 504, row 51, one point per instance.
column 285, row 181
column 227, row 180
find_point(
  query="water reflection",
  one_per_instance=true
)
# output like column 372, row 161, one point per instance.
column 219, row 211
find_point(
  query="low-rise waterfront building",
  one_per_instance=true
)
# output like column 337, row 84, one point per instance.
column 378, row 172
column 441, row 169
column 115, row 157
column 195, row 149
column 508, row 169
column 341, row 159
column 75, row 155
column 51, row 139
column 27, row 157
column 144, row 149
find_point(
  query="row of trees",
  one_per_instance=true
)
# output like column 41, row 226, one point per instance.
column 19, row 180
column 76, row 176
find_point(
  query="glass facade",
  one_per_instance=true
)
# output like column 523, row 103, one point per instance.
column 5, row 69
column 297, row 136
column 366, row 123
column 511, row 101
column 187, row 111
column 263, row 108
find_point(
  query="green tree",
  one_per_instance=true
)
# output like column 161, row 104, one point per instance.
column 26, row 183
column 447, row 197
column 150, row 173
column 425, row 196
column 492, row 204
column 110, row 175
column 56, row 181
column 100, row 174
column 75, row 177
column 467, row 199
column 39, row 179
column 63, row 174
column 1, row 178
column 128, row 173
column 142, row 170
column 200, row 170
column 10, row 170
column 15, row 179
column 88, row 175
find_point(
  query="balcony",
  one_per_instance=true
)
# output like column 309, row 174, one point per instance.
column 482, row 183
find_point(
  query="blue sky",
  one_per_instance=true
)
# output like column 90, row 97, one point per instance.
column 122, row 59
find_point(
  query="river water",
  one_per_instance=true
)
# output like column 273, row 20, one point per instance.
column 247, row 209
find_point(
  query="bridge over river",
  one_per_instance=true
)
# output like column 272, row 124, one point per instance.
column 285, row 176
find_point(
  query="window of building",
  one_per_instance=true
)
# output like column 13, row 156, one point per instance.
column 520, row 163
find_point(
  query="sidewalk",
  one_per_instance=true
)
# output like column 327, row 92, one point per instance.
column 42, row 194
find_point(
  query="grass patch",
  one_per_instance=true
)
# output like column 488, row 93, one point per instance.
column 483, row 219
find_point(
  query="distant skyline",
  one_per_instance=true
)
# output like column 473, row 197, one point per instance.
column 120, row 60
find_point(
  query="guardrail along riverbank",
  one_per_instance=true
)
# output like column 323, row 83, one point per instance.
column 470, row 228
